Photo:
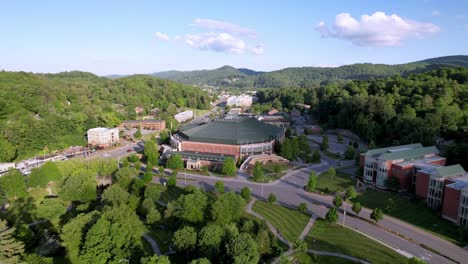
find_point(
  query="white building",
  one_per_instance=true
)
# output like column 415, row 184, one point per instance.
column 103, row 137
column 240, row 101
column 5, row 167
column 184, row 116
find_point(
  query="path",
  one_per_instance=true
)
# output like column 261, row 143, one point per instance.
column 153, row 244
column 308, row 227
column 303, row 234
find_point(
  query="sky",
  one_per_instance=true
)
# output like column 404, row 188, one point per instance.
column 128, row 37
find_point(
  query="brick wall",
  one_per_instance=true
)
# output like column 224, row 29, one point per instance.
column 422, row 183
column 403, row 173
column 450, row 204
column 362, row 158
column 220, row 149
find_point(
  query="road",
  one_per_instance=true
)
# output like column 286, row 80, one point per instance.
column 289, row 191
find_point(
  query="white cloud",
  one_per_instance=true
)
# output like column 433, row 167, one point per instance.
column 436, row 13
column 258, row 49
column 219, row 42
column 377, row 29
column 223, row 26
column 162, row 36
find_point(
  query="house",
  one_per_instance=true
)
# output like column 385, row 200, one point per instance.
column 103, row 137
column 150, row 124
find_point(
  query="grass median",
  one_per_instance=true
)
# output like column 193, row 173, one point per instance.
column 288, row 222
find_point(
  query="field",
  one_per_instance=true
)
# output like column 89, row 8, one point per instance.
column 329, row 184
column 405, row 207
column 288, row 222
column 338, row 239
column 307, row 258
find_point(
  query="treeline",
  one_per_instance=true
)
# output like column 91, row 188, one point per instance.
column 55, row 110
column 390, row 111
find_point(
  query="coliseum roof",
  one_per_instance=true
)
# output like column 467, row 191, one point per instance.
column 233, row 132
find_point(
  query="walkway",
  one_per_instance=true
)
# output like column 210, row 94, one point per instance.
column 303, row 234
column 153, row 244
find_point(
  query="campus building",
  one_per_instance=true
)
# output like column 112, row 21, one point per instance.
column 455, row 202
column 103, row 137
column 240, row 101
column 149, row 124
column 237, row 138
column 184, row 116
column 401, row 162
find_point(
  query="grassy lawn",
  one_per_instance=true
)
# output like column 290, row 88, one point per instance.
column 333, row 184
column 331, row 154
column 335, row 238
column 162, row 236
column 288, row 222
column 307, row 258
column 405, row 209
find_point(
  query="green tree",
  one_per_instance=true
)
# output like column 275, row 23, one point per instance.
column 372, row 145
column 152, row 192
column 316, row 156
column 201, row 261
column 246, row 193
column 115, row 195
column 155, row 259
column 331, row 172
column 175, row 162
column 151, row 152
column 164, row 136
column 147, row 177
column 258, row 172
column 300, row 245
column 210, row 239
column 227, row 208
column 229, row 167
column 302, row 208
column 219, row 186
column 153, row 216
column 271, row 198
column 124, row 177
column 377, row 215
column 332, row 215
column 415, row 260
column 161, row 170
column 357, row 207
column 242, row 249
column 312, row 182
column 324, row 144
column 338, row 201
column 10, row 248
column 350, row 193
column 185, row 239
column 43, row 175
column 350, row 153
column 172, row 181
column 125, row 163
column 8, row 152
column 138, row 134
column 389, row 205
column 340, row 138
column 79, row 188
column 191, row 207
column 12, row 185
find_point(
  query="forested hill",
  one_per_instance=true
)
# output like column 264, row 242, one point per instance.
column 228, row 76
column 55, row 110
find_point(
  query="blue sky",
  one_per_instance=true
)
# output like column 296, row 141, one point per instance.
column 126, row 37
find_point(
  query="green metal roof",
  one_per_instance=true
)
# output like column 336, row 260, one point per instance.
column 376, row 152
column 409, row 153
column 450, row 170
column 233, row 132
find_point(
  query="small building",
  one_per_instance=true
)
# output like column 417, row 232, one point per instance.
column 240, row 101
column 273, row 111
column 103, row 137
column 149, row 124
column 5, row 167
column 184, row 116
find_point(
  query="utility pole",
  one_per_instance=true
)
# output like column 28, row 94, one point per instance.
column 185, row 180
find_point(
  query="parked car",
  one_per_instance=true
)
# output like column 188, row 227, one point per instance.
column 129, row 150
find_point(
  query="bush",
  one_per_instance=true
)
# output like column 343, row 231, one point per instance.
column 338, row 201
column 219, row 186
column 271, row 198
column 357, row 207
column 302, row 208
column 377, row 215
column 147, row 177
column 316, row 156
column 349, row 153
column 246, row 193
column 332, row 215
column 172, row 181
column 389, row 205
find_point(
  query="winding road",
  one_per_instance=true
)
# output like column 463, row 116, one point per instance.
column 398, row 235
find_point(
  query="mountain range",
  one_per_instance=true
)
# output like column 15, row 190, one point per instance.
column 228, row 76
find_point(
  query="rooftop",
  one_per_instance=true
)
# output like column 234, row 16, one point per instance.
column 376, row 152
column 447, row 171
column 233, row 132
column 460, row 183
column 100, row 129
column 409, row 153
column 140, row 121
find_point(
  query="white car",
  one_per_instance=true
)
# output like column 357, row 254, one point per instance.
column 106, row 155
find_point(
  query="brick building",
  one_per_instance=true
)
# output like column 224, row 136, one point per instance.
column 455, row 202
column 103, row 137
column 149, row 124
column 235, row 137
column 401, row 162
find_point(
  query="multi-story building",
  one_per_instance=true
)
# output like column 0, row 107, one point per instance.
column 184, row 116
column 238, row 138
column 401, row 162
column 103, row 137
column 240, row 101
column 455, row 202
column 149, row 124
column 5, row 167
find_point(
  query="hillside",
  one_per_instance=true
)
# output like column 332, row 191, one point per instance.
column 228, row 76
column 55, row 110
